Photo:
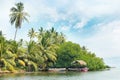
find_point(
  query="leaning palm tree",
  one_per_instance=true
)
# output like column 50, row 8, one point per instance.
column 17, row 16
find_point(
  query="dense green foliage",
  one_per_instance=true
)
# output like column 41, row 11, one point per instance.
column 69, row 52
column 93, row 62
column 46, row 48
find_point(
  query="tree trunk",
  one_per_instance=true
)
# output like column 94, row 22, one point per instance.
column 15, row 33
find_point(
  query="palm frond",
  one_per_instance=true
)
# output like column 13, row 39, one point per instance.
column 21, row 62
column 13, row 9
column 8, row 65
column 20, row 6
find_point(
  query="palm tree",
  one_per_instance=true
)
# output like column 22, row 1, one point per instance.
column 33, row 56
column 47, row 46
column 17, row 16
column 32, row 33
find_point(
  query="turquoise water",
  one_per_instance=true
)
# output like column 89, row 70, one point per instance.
column 112, row 74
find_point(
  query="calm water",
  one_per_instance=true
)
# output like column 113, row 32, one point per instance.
column 113, row 74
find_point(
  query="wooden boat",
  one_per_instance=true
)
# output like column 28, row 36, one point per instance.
column 84, row 69
column 79, row 69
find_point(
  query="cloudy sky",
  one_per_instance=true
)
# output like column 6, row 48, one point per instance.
column 92, row 23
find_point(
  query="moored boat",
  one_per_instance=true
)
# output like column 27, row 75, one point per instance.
column 84, row 69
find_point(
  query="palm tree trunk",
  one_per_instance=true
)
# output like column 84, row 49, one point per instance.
column 15, row 33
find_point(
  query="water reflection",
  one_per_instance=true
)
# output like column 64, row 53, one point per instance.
column 63, row 75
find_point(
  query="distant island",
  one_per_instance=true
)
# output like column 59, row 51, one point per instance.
column 45, row 49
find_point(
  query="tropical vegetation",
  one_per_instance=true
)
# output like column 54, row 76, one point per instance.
column 69, row 52
column 45, row 49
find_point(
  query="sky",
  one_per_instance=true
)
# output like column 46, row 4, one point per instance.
column 92, row 23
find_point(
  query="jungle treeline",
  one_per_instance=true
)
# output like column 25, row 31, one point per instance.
column 45, row 49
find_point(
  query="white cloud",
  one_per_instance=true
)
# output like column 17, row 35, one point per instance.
column 65, row 28
column 106, row 41
column 38, row 10
column 85, row 10
column 81, row 24
column 96, row 7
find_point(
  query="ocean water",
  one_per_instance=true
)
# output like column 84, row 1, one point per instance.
column 112, row 74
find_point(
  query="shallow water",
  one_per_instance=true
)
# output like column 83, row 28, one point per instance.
column 112, row 74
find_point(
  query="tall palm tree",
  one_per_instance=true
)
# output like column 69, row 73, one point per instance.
column 17, row 16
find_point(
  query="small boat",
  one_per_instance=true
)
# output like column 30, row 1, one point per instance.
column 84, row 69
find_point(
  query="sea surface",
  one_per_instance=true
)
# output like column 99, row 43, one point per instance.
column 112, row 74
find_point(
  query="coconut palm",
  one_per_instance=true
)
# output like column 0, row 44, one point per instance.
column 32, row 33
column 33, row 56
column 17, row 49
column 47, row 46
column 17, row 16
column 48, row 54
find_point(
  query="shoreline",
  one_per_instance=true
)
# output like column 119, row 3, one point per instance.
column 50, row 70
